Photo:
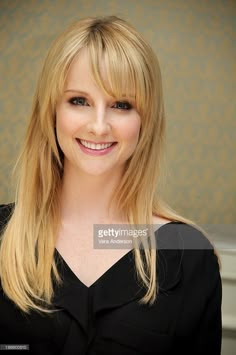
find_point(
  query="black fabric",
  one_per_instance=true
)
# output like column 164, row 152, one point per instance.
column 106, row 318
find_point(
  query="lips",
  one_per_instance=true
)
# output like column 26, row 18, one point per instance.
column 95, row 146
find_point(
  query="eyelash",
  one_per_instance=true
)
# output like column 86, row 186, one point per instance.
column 74, row 101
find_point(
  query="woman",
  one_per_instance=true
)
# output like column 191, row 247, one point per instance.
column 92, row 156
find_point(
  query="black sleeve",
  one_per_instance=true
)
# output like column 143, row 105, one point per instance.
column 208, row 334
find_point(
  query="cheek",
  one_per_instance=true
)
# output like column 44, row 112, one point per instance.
column 130, row 130
column 66, row 122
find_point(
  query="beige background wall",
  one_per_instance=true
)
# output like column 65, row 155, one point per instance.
column 195, row 43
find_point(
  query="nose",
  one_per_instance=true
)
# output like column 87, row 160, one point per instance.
column 99, row 124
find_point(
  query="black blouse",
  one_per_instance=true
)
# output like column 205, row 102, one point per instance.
column 106, row 318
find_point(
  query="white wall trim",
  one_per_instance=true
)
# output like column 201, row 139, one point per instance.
column 228, row 276
column 228, row 322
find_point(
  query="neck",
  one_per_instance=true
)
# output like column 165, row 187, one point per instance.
column 87, row 197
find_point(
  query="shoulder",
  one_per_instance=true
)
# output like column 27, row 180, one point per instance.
column 6, row 211
column 182, row 237
column 186, row 254
column 179, row 235
column 193, row 246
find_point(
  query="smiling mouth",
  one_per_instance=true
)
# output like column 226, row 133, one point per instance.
column 95, row 146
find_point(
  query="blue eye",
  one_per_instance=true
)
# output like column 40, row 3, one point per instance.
column 123, row 105
column 79, row 101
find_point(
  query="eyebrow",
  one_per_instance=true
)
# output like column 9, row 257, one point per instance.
column 87, row 94
column 77, row 90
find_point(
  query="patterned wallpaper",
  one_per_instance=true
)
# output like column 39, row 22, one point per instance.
column 195, row 43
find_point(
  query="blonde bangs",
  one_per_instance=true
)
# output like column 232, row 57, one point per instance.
column 124, row 74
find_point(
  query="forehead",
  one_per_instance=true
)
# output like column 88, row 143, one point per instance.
column 80, row 70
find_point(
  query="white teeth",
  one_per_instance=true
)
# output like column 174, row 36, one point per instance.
column 95, row 146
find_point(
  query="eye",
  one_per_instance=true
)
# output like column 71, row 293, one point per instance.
column 79, row 101
column 123, row 105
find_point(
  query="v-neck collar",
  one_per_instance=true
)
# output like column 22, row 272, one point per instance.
column 75, row 278
column 118, row 285
column 112, row 289
column 109, row 270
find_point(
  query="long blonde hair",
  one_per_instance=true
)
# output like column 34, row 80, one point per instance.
column 27, row 264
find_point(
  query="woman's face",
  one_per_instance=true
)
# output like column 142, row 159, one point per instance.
column 96, row 132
